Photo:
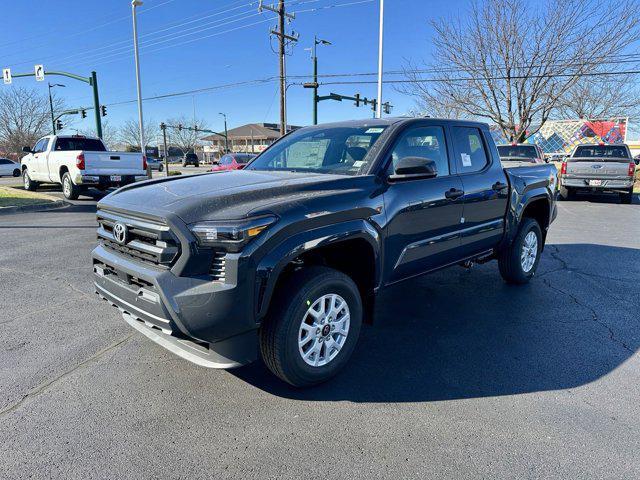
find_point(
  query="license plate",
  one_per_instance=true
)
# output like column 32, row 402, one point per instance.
column 116, row 178
column 595, row 183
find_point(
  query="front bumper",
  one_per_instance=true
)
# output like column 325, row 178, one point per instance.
column 606, row 184
column 206, row 322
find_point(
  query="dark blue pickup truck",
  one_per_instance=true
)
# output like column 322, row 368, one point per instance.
column 284, row 258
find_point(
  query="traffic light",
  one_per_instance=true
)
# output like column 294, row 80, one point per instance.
column 59, row 125
column 83, row 113
column 387, row 107
column 179, row 127
column 357, row 95
column 103, row 110
column 163, row 126
column 374, row 104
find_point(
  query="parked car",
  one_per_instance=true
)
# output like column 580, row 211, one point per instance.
column 155, row 164
column 287, row 255
column 9, row 168
column 78, row 162
column 190, row 159
column 233, row 161
column 520, row 153
column 598, row 168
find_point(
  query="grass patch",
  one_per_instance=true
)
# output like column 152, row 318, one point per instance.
column 18, row 197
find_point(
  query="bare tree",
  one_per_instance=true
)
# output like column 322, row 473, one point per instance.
column 512, row 64
column 25, row 116
column 129, row 133
column 110, row 135
column 602, row 97
column 186, row 140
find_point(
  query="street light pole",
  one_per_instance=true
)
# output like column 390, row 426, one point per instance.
column 226, row 135
column 314, row 56
column 134, row 4
column 53, row 119
column 379, row 104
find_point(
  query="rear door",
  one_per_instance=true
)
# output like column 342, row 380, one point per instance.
column 423, row 215
column 6, row 167
column 485, row 188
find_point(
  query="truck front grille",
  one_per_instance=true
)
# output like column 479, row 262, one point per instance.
column 145, row 240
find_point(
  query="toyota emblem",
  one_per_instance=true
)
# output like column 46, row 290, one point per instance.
column 120, row 233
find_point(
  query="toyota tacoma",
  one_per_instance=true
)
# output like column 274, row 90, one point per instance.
column 283, row 259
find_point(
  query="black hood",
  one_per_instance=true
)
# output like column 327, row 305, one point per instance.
column 229, row 195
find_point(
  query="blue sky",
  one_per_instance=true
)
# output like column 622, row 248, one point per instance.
column 192, row 44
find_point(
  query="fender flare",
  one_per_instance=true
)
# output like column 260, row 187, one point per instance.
column 517, row 206
column 273, row 263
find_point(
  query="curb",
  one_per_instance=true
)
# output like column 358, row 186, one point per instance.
column 32, row 208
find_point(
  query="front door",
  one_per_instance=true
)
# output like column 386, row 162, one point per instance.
column 423, row 215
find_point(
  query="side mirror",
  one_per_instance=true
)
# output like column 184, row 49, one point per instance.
column 27, row 150
column 414, row 167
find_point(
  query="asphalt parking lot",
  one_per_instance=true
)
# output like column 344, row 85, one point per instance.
column 461, row 376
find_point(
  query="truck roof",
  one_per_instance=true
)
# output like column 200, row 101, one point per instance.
column 373, row 122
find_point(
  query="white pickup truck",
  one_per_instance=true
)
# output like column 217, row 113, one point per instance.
column 78, row 162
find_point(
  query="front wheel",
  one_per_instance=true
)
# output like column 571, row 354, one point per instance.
column 313, row 326
column 16, row 173
column 518, row 262
column 70, row 191
column 28, row 183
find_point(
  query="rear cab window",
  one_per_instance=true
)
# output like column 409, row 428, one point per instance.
column 471, row 152
column 65, row 144
column 518, row 151
column 601, row 152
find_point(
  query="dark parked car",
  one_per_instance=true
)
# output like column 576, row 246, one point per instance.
column 190, row 159
column 285, row 257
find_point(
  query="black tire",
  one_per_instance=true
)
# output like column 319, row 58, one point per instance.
column 28, row 183
column 69, row 190
column 279, row 333
column 16, row 172
column 196, row 165
column 509, row 260
column 160, row 168
column 627, row 198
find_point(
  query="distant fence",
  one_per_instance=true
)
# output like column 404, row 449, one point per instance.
column 561, row 136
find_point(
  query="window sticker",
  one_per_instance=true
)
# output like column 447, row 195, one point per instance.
column 466, row 159
column 374, row 130
column 358, row 164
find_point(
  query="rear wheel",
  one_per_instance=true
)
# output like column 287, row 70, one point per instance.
column 627, row 198
column 518, row 262
column 69, row 190
column 313, row 326
column 28, row 183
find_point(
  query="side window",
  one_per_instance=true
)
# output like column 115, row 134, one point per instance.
column 36, row 147
column 4, row 162
column 426, row 142
column 226, row 160
column 471, row 155
column 45, row 144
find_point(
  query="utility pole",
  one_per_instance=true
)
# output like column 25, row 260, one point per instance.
column 282, row 38
column 163, row 127
column 134, row 4
column 379, row 109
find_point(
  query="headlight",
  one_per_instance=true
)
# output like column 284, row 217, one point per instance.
column 231, row 234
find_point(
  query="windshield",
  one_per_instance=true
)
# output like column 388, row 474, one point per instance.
column 86, row 144
column 517, row 151
column 321, row 150
column 601, row 152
